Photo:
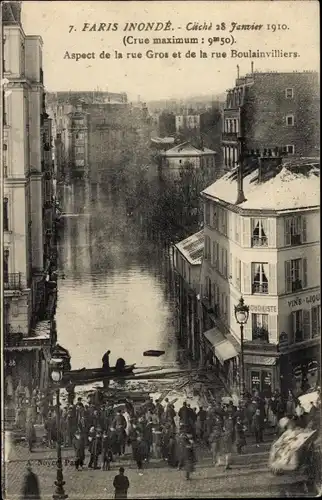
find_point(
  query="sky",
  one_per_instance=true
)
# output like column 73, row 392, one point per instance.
column 297, row 30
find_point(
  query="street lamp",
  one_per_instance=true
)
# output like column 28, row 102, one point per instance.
column 241, row 315
column 57, row 375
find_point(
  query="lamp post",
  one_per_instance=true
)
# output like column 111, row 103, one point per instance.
column 57, row 375
column 241, row 315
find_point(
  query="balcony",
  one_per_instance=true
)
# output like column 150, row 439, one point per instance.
column 260, row 334
column 259, row 241
column 12, row 281
column 259, row 287
column 230, row 136
column 296, row 239
column 296, row 285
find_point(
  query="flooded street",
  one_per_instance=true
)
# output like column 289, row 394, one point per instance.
column 115, row 285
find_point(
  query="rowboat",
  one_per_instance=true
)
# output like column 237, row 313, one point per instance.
column 96, row 374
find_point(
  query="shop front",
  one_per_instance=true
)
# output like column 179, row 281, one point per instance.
column 222, row 355
column 302, row 369
column 261, row 374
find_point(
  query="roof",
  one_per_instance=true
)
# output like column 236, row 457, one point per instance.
column 187, row 149
column 295, row 184
column 192, row 248
column 162, row 140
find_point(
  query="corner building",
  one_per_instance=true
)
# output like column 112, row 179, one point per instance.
column 266, row 249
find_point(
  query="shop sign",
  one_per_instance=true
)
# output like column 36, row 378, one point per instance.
column 309, row 299
column 262, row 309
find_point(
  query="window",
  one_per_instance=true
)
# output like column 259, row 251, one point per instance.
column 207, row 213
column 5, row 215
column 295, row 275
column 260, row 327
column 6, row 266
column 259, row 232
column 289, row 93
column 213, row 260
column 207, row 254
column 295, row 230
column 316, row 321
column 223, row 217
column 289, row 149
column 259, row 277
column 290, row 120
column 209, row 291
column 79, row 150
column 297, row 326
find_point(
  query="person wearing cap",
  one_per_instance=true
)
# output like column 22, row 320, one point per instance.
column 30, row 488
column 121, row 484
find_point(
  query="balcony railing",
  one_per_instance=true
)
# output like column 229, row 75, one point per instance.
column 229, row 136
column 260, row 287
column 296, row 239
column 12, row 281
column 296, row 285
column 260, row 334
column 259, row 241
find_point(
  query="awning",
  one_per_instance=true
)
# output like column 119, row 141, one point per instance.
column 222, row 347
column 259, row 360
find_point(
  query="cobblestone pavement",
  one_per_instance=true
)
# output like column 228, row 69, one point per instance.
column 248, row 476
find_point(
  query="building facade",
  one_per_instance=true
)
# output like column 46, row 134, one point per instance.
column 187, row 122
column 173, row 160
column 27, row 205
column 187, row 256
column 268, row 110
column 264, row 246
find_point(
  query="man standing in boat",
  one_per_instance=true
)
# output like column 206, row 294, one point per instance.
column 106, row 361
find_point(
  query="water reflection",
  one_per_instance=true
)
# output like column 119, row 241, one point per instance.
column 117, row 290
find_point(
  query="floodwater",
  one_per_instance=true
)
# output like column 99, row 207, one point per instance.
column 115, row 288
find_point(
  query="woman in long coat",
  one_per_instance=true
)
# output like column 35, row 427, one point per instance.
column 215, row 439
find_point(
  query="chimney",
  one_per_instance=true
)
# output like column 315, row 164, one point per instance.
column 240, row 191
column 266, row 163
column 252, row 67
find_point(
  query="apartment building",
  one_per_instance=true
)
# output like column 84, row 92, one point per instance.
column 27, row 204
column 262, row 242
column 187, row 258
column 187, row 121
column 268, row 110
column 174, row 159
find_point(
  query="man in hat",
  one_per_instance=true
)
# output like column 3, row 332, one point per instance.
column 79, row 447
column 121, row 484
column 30, row 489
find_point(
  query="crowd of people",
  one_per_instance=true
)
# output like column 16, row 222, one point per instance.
column 156, row 430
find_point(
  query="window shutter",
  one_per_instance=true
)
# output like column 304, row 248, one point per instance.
column 272, row 329
column 248, row 330
column 306, row 324
column 287, row 231
column 235, row 273
column 213, row 253
column 271, row 233
column 303, row 229
column 213, row 294
column 246, row 232
column 230, row 267
column 217, row 256
column 291, row 330
column 272, row 280
column 246, row 272
column 304, row 270
column 288, row 278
